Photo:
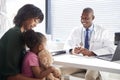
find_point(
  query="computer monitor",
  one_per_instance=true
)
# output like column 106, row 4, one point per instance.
column 117, row 38
column 117, row 51
column 116, row 55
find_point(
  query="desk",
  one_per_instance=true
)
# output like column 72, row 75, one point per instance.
column 87, row 63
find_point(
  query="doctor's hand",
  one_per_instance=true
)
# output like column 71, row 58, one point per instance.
column 86, row 52
column 76, row 50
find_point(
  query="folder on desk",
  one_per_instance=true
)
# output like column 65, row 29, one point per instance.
column 58, row 52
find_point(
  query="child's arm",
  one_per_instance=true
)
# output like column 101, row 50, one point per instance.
column 39, row 73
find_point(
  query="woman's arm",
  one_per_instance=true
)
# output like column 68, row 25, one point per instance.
column 39, row 73
column 20, row 77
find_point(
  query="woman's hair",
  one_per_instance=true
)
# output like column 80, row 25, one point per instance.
column 33, row 38
column 26, row 12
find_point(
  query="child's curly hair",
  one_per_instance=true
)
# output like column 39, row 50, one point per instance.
column 33, row 38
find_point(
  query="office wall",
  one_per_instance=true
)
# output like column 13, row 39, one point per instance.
column 65, row 15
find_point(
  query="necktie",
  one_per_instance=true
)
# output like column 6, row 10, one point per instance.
column 87, row 39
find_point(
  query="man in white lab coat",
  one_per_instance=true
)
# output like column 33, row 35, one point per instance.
column 99, row 41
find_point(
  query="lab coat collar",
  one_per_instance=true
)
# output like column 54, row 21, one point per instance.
column 91, row 28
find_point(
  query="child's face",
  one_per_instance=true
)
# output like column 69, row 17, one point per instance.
column 42, row 46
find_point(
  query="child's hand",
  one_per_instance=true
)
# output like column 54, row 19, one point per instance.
column 57, row 73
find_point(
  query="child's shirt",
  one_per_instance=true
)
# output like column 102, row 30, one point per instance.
column 30, row 59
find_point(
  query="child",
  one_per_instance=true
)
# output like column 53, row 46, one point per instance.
column 36, row 43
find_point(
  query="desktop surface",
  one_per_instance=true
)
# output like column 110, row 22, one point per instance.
column 85, row 62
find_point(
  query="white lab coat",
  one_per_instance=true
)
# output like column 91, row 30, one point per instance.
column 101, row 41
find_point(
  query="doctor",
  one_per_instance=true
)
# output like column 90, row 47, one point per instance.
column 90, row 40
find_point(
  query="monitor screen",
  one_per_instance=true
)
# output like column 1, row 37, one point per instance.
column 117, row 38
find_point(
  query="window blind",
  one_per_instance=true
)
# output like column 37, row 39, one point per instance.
column 65, row 15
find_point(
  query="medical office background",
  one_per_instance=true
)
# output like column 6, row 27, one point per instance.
column 61, row 16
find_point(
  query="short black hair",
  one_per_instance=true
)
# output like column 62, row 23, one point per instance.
column 33, row 38
column 26, row 12
column 88, row 10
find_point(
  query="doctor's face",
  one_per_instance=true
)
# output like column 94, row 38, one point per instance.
column 86, row 19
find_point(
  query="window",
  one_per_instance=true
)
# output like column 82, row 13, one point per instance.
column 64, row 15
column 2, row 16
